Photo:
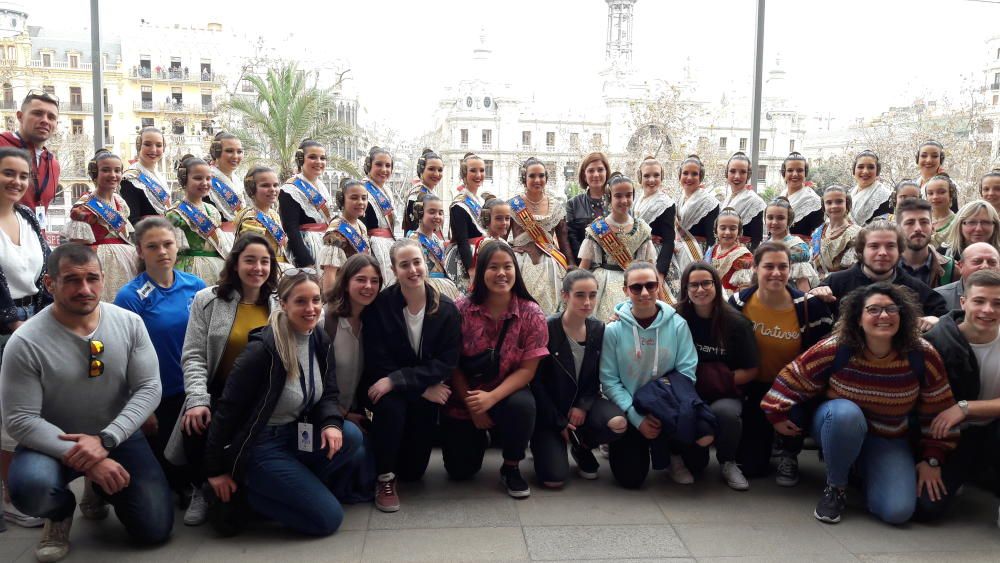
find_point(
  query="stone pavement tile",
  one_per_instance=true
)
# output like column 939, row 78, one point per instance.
column 862, row 533
column 602, row 542
column 455, row 544
column 356, row 516
column 269, row 546
column 11, row 548
column 448, row 513
column 839, row 557
column 436, row 484
column 758, row 538
column 571, row 507
column 931, row 556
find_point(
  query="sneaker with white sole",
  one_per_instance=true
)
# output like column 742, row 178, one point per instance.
column 679, row 472
column 386, row 497
column 734, row 477
column 831, row 505
column 586, row 463
column 196, row 513
column 517, row 487
column 788, row 471
column 15, row 516
column 92, row 506
column 54, row 544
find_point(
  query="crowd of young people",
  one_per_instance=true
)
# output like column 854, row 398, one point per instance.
column 209, row 349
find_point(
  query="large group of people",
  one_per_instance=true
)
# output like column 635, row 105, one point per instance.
column 267, row 346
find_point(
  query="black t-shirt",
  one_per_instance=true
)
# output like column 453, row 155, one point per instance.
column 739, row 348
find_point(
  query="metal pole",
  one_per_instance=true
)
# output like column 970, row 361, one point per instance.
column 95, row 69
column 758, row 72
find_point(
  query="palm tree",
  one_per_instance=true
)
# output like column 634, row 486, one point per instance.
column 286, row 109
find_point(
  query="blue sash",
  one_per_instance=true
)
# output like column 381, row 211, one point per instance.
column 473, row 205
column 271, row 225
column 111, row 217
column 438, row 275
column 817, row 239
column 227, row 194
column 156, row 189
column 436, row 250
column 354, row 237
column 382, row 200
column 708, row 254
column 196, row 218
column 312, row 194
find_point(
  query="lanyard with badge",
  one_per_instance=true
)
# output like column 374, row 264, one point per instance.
column 305, row 428
column 36, row 162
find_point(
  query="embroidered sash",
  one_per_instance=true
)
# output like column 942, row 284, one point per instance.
column 382, row 200
column 110, row 216
column 156, row 189
column 610, row 243
column 724, row 263
column 353, row 237
column 227, row 194
column 436, row 250
column 536, row 232
column 201, row 223
column 271, row 225
column 312, row 194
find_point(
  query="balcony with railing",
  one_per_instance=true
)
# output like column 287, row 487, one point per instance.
column 149, row 106
column 174, row 75
column 83, row 108
column 65, row 65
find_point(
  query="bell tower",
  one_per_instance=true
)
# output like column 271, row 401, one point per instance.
column 618, row 49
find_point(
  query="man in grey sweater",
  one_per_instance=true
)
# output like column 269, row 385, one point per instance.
column 77, row 382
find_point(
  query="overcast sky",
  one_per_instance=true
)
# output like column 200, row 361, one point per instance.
column 849, row 58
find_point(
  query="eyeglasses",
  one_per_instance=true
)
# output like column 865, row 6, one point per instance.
column 637, row 288
column 977, row 223
column 705, row 284
column 300, row 271
column 49, row 96
column 877, row 310
column 96, row 367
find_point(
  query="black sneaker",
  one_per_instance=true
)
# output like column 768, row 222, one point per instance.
column 788, row 471
column 831, row 505
column 586, row 463
column 227, row 518
column 511, row 478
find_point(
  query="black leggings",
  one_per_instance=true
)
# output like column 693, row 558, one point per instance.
column 463, row 445
column 549, row 448
column 403, row 434
column 754, row 452
column 629, row 457
column 167, row 413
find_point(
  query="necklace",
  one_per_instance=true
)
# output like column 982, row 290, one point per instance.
column 534, row 203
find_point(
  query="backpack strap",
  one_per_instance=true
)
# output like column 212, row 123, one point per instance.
column 916, row 359
column 839, row 361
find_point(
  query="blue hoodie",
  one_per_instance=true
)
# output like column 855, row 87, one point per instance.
column 633, row 356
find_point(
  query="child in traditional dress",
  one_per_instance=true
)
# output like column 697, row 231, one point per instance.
column 261, row 216
column 428, row 213
column 347, row 234
column 201, row 248
column 833, row 242
column 730, row 258
column 777, row 216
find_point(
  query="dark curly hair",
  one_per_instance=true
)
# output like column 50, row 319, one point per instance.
column 848, row 328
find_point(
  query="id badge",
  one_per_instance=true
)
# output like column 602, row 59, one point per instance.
column 305, row 434
column 40, row 216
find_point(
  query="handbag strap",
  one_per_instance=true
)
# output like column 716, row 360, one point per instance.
column 503, row 333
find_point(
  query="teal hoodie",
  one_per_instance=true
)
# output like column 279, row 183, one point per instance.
column 633, row 356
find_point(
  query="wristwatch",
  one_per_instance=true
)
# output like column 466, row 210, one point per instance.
column 107, row 440
column 964, row 405
column 933, row 462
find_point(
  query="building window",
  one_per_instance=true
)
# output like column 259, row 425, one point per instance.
column 550, row 139
column 176, row 96
column 79, row 190
column 12, row 53
column 763, row 145
column 761, row 173
column 743, row 143
column 77, row 127
column 75, row 98
column 8, row 96
column 206, row 71
column 246, row 86
column 487, row 138
column 791, row 145
column 464, row 138
column 49, row 89
column 489, row 168
column 574, row 140
column 178, row 127
column 722, row 143
column 525, row 139
column 569, row 171
column 46, row 59
column 147, row 122
column 596, row 140
column 74, row 61
column 104, row 100
column 207, row 127
column 206, row 102
column 107, row 133
column 8, row 122
column 996, row 99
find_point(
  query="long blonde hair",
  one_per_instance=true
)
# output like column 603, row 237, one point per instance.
column 955, row 242
column 284, row 336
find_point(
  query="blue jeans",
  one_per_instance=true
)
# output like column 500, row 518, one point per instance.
column 885, row 465
column 300, row 489
column 39, row 486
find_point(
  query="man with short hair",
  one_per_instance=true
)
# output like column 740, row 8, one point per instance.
column 78, row 380
column 977, row 256
column 37, row 121
column 919, row 259
column 968, row 340
column 878, row 246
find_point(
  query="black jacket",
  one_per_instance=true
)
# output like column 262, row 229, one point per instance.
column 815, row 321
column 387, row 344
column 556, row 390
column 843, row 282
column 580, row 213
column 252, row 391
column 959, row 360
column 42, row 298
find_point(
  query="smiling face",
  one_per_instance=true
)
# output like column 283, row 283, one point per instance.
column 268, row 189
column 978, row 227
column 982, row 307
column 727, row 230
column 500, row 273
column 865, row 171
column 581, row 297
column 253, row 266
column 979, row 256
column 772, row 271
column 14, row 176
column 776, row 218
column 315, row 162
column 534, row 180
column 622, row 195
column 938, row 194
column 881, row 252
column 795, row 174
column 990, row 190
column 433, row 172
column 109, row 175
column 409, row 266
column 476, row 173
column 644, row 302
column 596, row 175
column 499, row 220
column 690, row 176
column 736, row 173
column 835, row 205
column 199, row 182
column 355, row 202
column 381, row 168
column 363, row 287
column 433, row 218
column 232, row 155
column 158, row 249
column 652, row 176
column 701, row 288
column 881, row 326
column 303, row 306
column 929, row 160
column 150, row 149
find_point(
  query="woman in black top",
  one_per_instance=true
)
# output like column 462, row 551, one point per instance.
column 143, row 189
column 464, row 221
column 584, row 208
column 568, row 402
column 805, row 201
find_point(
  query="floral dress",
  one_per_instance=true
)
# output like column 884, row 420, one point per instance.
column 634, row 236
column 735, row 267
column 833, row 251
column 343, row 240
column 268, row 225
column 543, row 269
column 433, row 248
column 801, row 266
column 200, row 246
column 107, row 230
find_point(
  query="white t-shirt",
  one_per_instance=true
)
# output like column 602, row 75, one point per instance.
column 988, row 356
column 22, row 264
column 414, row 327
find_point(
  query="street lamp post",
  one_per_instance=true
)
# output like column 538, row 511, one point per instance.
column 758, row 71
column 95, row 70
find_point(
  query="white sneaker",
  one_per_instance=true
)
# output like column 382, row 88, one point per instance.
column 197, row 511
column 15, row 516
column 92, row 506
column 603, row 449
column 679, row 472
column 734, row 476
column 54, row 544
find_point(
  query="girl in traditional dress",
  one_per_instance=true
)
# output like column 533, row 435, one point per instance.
column 144, row 190
column 806, row 204
column 728, row 256
column 464, row 221
column 261, row 216
column 380, row 217
column 613, row 242
column 904, row 190
column 698, row 207
column 197, row 223
column 930, row 160
column 778, row 215
column 428, row 213
column 872, row 198
column 430, row 170
column 100, row 219
column 747, row 203
column 941, row 192
column 655, row 206
column 540, row 238
column 495, row 217
column 833, row 243
column 347, row 234
column 304, row 204
column 227, row 194
column 989, row 188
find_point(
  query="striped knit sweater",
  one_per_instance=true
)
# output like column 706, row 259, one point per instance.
column 886, row 390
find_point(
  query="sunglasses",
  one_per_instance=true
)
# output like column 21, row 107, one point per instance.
column 292, row 272
column 876, row 310
column 651, row 287
column 49, row 96
column 96, row 367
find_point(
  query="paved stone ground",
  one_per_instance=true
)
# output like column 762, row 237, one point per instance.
column 594, row 520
